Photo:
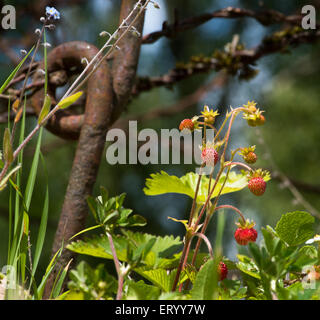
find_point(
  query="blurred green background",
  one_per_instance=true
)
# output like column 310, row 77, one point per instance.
column 287, row 88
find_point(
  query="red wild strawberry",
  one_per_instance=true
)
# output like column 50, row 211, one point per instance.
column 257, row 186
column 186, row 124
column 210, row 156
column 245, row 235
column 223, row 271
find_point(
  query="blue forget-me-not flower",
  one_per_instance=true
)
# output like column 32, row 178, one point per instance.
column 52, row 12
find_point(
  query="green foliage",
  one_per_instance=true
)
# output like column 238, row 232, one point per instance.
column 274, row 269
column 275, row 264
column 111, row 214
column 206, row 282
column 87, row 283
column 161, row 183
column 139, row 248
column 45, row 108
column 141, row 291
column 295, row 227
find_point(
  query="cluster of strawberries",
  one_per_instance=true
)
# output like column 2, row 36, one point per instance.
column 245, row 232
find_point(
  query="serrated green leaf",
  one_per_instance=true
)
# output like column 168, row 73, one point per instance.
column 159, row 256
column 204, row 285
column 160, row 277
column 141, row 291
column 65, row 103
column 247, row 266
column 295, row 227
column 45, row 108
column 161, row 183
column 307, row 255
column 162, row 251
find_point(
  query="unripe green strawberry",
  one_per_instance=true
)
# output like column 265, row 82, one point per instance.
column 209, row 120
column 248, row 154
column 257, row 186
column 252, row 122
column 186, row 124
column 223, row 271
column 245, row 235
column 210, row 156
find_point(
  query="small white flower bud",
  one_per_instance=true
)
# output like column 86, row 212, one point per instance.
column 51, row 26
column 23, row 52
column 46, row 44
column 37, row 31
column 84, row 61
column 42, row 19
column 41, row 71
column 104, row 34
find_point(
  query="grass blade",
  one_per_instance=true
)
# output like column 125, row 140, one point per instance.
column 13, row 73
column 48, row 271
column 43, row 224
column 33, row 171
column 58, row 286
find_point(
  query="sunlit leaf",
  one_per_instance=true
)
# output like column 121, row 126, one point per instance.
column 161, row 183
column 45, row 108
column 65, row 103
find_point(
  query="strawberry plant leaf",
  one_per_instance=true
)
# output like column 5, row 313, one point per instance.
column 160, row 255
column 161, row 183
column 204, row 285
column 159, row 277
column 295, row 227
column 141, row 291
